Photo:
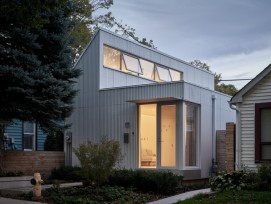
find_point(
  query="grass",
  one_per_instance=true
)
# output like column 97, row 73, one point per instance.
column 230, row 197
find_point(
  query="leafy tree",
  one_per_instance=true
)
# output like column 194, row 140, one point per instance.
column 229, row 89
column 54, row 141
column 36, row 74
column 109, row 21
column 87, row 23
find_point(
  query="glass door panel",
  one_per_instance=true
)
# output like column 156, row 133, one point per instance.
column 147, row 135
column 168, row 135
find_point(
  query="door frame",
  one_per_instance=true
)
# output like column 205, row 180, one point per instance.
column 178, row 135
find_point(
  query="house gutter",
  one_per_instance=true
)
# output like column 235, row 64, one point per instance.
column 213, row 129
column 237, row 136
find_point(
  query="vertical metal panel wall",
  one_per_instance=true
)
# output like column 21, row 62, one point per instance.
column 101, row 109
column 117, row 79
column 115, row 111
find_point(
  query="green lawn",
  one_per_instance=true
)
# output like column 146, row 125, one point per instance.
column 231, row 197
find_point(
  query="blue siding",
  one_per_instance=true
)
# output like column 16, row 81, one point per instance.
column 16, row 131
column 41, row 137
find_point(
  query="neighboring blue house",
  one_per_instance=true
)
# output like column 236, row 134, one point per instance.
column 24, row 136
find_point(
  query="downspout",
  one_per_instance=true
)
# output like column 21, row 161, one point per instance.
column 214, row 166
column 237, row 136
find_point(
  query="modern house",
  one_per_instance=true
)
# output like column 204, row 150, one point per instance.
column 163, row 111
column 253, row 125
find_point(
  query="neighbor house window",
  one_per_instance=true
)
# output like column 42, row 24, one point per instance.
column 29, row 135
column 111, row 58
column 116, row 59
column 191, row 135
column 263, row 132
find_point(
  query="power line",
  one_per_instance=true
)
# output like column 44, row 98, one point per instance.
column 234, row 79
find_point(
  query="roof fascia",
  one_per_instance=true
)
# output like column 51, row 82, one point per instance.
column 238, row 97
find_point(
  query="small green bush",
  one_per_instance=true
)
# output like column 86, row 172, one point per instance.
column 66, row 173
column 10, row 173
column 230, row 180
column 98, row 160
column 165, row 183
column 263, row 181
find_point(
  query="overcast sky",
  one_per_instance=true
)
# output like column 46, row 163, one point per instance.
column 232, row 36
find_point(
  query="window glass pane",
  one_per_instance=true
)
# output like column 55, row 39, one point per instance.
column 266, row 151
column 147, row 69
column 191, row 136
column 175, row 75
column 111, row 58
column 147, row 135
column 124, row 69
column 266, row 125
column 28, row 141
column 28, row 127
column 168, row 135
column 132, row 64
column 163, row 74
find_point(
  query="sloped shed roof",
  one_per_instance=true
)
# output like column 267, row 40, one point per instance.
column 238, row 97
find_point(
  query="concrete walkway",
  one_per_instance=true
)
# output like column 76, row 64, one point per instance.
column 13, row 201
column 183, row 196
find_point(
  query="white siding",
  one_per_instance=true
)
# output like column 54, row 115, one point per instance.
column 261, row 93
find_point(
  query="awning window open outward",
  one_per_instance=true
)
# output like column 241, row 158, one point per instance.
column 154, row 100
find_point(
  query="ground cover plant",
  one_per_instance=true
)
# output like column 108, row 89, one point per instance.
column 10, row 173
column 91, row 194
column 236, row 197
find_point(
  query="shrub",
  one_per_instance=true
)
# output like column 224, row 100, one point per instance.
column 147, row 181
column 263, row 181
column 67, row 173
column 54, row 141
column 230, row 180
column 98, row 160
column 10, row 173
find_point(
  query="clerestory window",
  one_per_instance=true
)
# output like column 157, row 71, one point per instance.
column 115, row 59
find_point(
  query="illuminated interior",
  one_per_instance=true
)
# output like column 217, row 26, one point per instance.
column 191, row 135
column 115, row 59
column 147, row 135
column 168, row 135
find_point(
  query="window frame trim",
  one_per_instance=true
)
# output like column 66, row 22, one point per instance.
column 138, row 74
column 34, row 137
column 258, row 143
column 198, row 137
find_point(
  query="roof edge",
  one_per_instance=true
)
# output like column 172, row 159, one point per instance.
column 238, row 97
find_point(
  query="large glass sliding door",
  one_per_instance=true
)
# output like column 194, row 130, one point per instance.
column 152, row 144
column 147, row 135
column 168, row 135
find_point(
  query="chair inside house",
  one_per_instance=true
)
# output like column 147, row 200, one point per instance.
column 148, row 158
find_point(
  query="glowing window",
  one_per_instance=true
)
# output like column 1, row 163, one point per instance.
column 111, row 58
column 147, row 69
column 132, row 64
column 175, row 75
column 163, row 74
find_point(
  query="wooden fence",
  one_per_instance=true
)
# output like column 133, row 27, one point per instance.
column 30, row 162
